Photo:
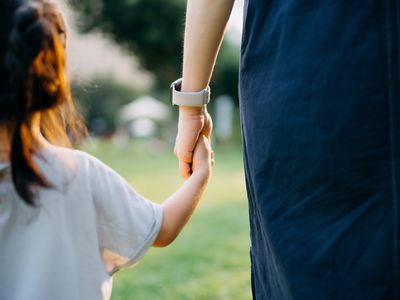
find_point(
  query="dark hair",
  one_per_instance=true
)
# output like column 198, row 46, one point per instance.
column 33, row 79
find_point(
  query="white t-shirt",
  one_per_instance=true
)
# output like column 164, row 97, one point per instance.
column 87, row 226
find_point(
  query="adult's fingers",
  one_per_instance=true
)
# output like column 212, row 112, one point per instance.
column 207, row 128
column 185, row 169
column 184, row 146
column 186, row 142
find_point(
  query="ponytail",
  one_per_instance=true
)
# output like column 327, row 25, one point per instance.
column 35, row 62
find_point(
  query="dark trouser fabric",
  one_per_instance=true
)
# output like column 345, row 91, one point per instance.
column 320, row 109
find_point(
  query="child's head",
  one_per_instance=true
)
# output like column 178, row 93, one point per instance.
column 34, row 87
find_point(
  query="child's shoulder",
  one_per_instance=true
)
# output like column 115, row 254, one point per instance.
column 69, row 155
column 74, row 159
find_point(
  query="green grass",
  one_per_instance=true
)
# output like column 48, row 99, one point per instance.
column 209, row 260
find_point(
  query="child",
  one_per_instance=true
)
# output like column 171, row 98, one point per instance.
column 67, row 221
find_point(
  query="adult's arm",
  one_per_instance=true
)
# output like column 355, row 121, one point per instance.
column 205, row 26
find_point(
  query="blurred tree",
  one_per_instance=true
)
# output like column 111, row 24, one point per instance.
column 153, row 31
column 225, row 78
column 99, row 100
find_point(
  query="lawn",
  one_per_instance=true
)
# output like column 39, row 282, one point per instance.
column 209, row 260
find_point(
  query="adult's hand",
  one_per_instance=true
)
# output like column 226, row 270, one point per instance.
column 193, row 121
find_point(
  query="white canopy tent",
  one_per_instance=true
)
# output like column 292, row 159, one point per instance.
column 142, row 115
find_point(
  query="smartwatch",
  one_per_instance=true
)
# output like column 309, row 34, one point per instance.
column 189, row 98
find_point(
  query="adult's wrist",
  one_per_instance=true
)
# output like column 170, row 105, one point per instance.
column 195, row 110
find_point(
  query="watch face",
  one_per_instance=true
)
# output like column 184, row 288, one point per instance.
column 176, row 85
column 177, row 97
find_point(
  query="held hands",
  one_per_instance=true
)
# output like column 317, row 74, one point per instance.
column 194, row 127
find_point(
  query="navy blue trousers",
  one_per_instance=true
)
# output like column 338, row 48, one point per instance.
column 320, row 110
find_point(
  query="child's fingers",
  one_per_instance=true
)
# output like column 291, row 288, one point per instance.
column 207, row 142
column 208, row 147
column 203, row 151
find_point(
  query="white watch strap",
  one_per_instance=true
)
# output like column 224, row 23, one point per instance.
column 189, row 98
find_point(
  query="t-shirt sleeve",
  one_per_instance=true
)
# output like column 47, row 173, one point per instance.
column 127, row 223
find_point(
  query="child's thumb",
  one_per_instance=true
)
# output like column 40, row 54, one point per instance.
column 204, row 140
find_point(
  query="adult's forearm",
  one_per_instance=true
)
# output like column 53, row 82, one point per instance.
column 205, row 26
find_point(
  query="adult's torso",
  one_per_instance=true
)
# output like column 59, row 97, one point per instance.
column 320, row 106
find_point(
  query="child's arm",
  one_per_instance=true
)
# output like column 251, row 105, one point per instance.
column 178, row 208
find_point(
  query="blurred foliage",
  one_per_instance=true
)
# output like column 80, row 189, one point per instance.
column 153, row 31
column 225, row 79
column 100, row 99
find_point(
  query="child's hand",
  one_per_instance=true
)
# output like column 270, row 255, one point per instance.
column 203, row 157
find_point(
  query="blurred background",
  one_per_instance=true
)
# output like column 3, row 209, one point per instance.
column 123, row 55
